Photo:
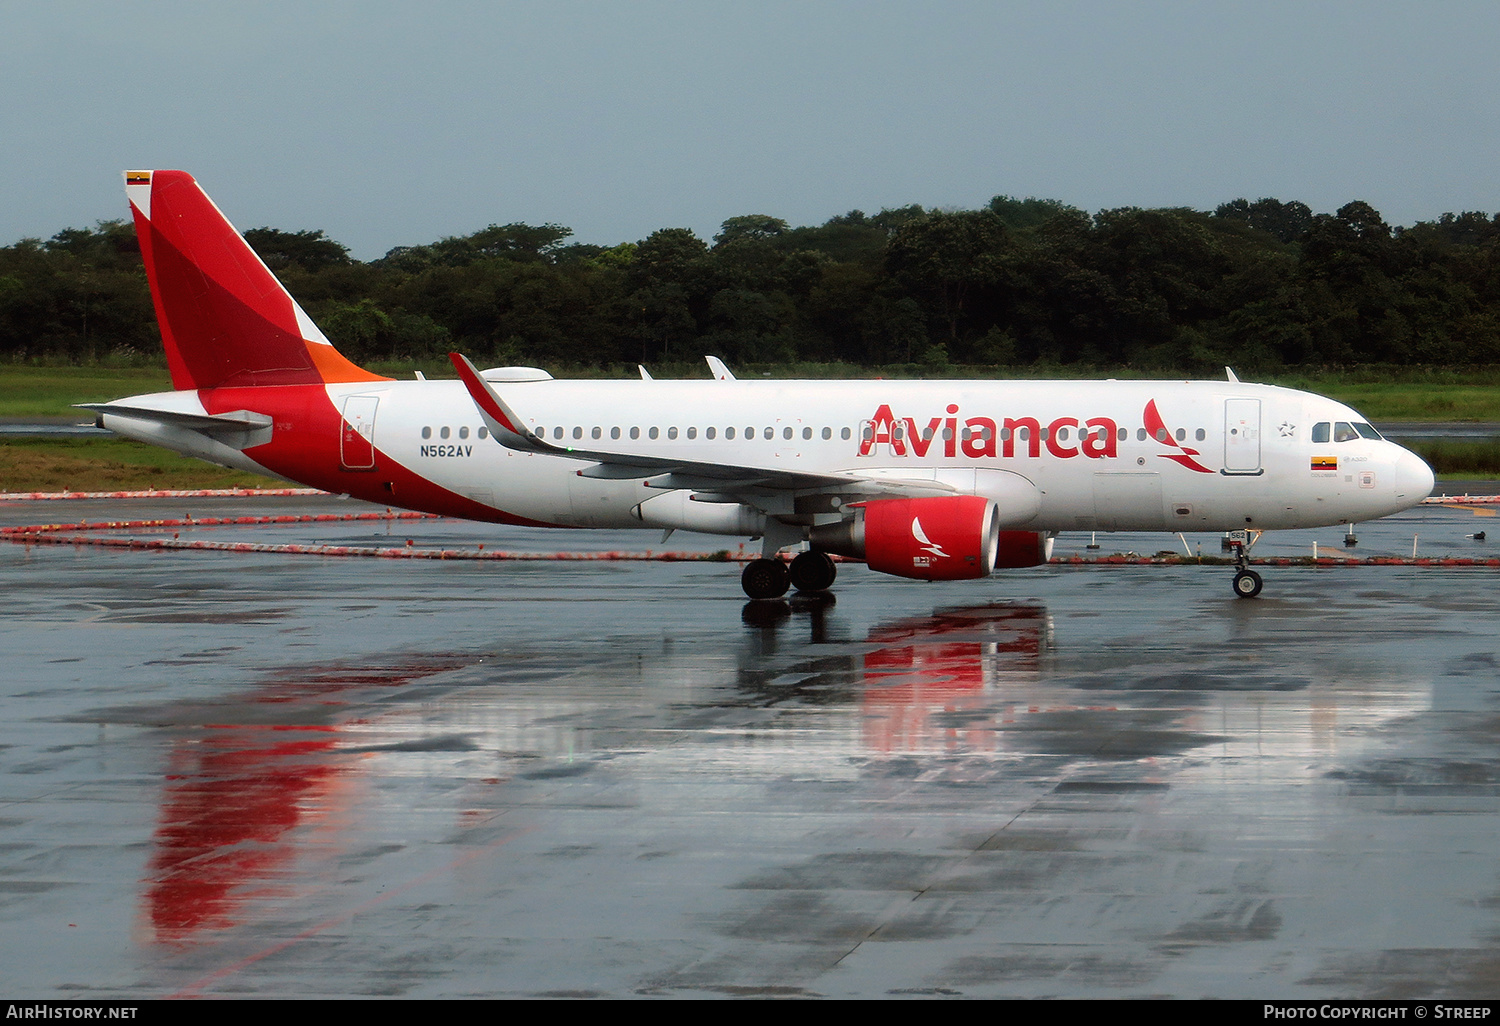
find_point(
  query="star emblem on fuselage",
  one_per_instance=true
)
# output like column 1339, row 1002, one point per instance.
column 1287, row 429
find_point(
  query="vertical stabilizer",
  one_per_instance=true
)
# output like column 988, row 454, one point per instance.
column 225, row 319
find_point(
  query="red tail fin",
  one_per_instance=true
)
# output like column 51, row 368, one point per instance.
column 225, row 319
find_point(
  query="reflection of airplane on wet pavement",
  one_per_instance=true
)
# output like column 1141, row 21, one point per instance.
column 236, row 794
column 931, row 672
column 933, row 480
column 958, row 651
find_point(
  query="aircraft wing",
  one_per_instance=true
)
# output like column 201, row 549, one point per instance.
column 674, row 472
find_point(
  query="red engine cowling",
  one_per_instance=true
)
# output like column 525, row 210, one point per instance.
column 1023, row 548
column 947, row 538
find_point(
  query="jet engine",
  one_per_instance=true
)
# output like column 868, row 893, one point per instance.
column 1023, row 548
column 945, row 538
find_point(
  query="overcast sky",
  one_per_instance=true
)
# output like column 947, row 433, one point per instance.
column 389, row 123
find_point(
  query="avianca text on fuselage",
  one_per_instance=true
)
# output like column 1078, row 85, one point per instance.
column 981, row 437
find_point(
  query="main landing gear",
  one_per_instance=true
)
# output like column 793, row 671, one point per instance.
column 770, row 578
column 1247, row 582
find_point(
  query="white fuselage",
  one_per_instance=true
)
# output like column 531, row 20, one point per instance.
column 1235, row 455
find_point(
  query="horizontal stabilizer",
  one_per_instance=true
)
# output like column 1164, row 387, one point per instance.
column 208, row 423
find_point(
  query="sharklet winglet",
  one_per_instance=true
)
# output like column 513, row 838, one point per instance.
column 506, row 425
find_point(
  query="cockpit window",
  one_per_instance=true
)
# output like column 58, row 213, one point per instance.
column 1320, row 431
column 1344, row 432
column 1365, row 430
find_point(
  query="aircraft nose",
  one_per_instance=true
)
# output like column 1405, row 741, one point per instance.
column 1414, row 478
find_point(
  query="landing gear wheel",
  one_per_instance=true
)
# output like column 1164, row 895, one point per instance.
column 813, row 571
column 1247, row 584
column 765, row 578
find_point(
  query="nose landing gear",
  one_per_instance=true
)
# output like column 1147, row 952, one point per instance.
column 1247, row 583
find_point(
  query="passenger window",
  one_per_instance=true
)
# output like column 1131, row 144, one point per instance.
column 1124, row 434
column 635, row 433
column 1200, row 434
column 770, row 432
column 671, row 432
column 443, row 433
column 1182, row 434
column 806, row 434
column 1320, row 432
column 578, row 432
column 598, row 432
column 557, row 433
column 1140, row 434
column 709, row 434
column 728, row 432
column 786, row 433
column 845, row 434
column 485, row 432
column 427, row 432
column 614, row 432
column 692, row 432
column 827, row 434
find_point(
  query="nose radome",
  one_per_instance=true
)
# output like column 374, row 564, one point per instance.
column 1414, row 478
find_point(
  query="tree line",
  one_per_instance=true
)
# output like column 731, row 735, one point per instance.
column 1261, row 285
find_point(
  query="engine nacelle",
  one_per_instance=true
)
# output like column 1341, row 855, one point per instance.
column 675, row 509
column 944, row 538
column 1023, row 548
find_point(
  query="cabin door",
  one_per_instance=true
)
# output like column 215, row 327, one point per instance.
column 357, row 433
column 1242, row 436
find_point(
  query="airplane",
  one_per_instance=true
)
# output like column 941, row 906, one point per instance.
column 930, row 480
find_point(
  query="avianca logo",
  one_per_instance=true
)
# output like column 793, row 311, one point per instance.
column 1157, row 428
column 927, row 544
column 1097, row 438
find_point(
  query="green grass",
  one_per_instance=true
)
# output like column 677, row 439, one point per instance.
column 109, row 464
column 1411, row 402
column 27, row 391
column 1461, row 459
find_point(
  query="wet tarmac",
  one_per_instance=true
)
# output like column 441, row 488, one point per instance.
column 250, row 774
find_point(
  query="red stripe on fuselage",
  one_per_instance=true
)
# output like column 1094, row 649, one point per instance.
column 304, row 447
